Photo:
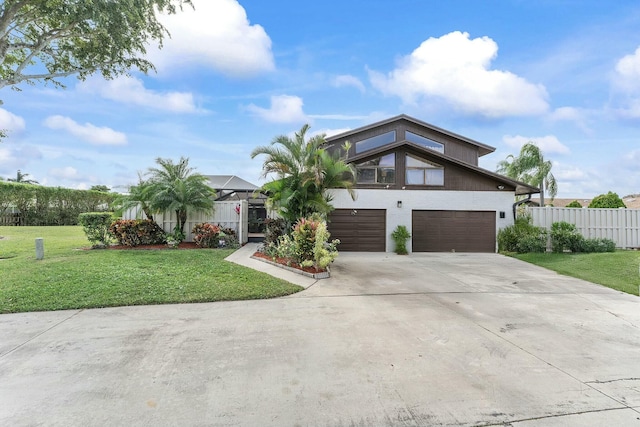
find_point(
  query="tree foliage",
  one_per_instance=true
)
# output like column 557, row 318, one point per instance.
column 304, row 172
column 21, row 178
column 175, row 187
column 574, row 204
column 531, row 167
column 47, row 40
column 138, row 196
column 610, row 200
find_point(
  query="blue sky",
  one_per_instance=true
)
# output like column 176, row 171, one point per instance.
column 565, row 74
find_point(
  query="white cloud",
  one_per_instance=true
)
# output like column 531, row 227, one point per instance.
column 568, row 173
column 548, row 144
column 217, row 35
column 283, row 109
column 68, row 172
column 457, row 70
column 12, row 159
column 329, row 132
column 627, row 72
column 130, row 90
column 92, row 134
column 348, row 80
column 11, row 122
column 571, row 114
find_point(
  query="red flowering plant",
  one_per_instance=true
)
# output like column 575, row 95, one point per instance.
column 206, row 235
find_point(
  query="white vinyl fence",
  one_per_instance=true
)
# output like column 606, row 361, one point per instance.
column 620, row 225
column 225, row 215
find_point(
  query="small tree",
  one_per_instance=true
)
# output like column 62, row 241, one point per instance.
column 400, row 235
column 574, row 204
column 609, row 200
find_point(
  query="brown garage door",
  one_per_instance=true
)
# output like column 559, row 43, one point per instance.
column 361, row 230
column 460, row 231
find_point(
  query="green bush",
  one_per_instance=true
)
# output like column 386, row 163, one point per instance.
column 574, row 204
column 135, row 232
column 521, row 236
column 400, row 236
column 599, row 245
column 532, row 243
column 609, row 200
column 565, row 236
column 229, row 238
column 96, row 227
column 39, row 205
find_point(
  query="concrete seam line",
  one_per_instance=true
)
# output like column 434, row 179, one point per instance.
column 556, row 367
column 41, row 333
column 592, row 411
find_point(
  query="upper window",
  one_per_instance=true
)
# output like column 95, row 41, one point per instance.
column 421, row 172
column 381, row 170
column 425, row 142
column 375, row 141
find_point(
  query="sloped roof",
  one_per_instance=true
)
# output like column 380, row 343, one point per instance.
column 230, row 183
column 482, row 148
column 521, row 187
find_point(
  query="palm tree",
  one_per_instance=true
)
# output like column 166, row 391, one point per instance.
column 21, row 178
column 139, row 196
column 531, row 167
column 174, row 187
column 304, row 171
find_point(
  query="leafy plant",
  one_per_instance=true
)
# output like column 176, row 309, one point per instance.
column 521, row 237
column 574, row 204
column 135, row 232
column 565, row 236
column 206, row 235
column 274, row 228
column 400, row 236
column 609, row 200
column 96, row 227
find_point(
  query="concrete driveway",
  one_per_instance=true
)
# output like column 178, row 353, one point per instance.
column 419, row 340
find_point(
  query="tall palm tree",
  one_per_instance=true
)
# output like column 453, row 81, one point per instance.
column 304, row 170
column 21, row 178
column 531, row 167
column 174, row 187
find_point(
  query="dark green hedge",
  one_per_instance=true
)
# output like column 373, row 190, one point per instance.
column 39, row 205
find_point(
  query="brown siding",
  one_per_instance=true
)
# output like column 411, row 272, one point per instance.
column 361, row 230
column 459, row 231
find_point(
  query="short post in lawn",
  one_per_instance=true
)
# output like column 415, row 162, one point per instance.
column 39, row 248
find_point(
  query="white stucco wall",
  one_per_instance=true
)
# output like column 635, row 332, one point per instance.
column 497, row 201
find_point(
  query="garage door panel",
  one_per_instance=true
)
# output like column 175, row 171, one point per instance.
column 462, row 231
column 359, row 229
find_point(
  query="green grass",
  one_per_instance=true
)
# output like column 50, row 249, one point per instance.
column 617, row 270
column 70, row 278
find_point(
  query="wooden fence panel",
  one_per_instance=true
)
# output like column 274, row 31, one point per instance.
column 620, row 225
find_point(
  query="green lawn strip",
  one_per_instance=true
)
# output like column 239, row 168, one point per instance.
column 617, row 270
column 71, row 278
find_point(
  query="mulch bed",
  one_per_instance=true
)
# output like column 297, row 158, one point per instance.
column 183, row 245
column 289, row 263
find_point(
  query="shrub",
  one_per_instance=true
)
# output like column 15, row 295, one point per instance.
column 206, row 235
column 564, row 236
column 597, row 245
column 574, row 204
column 400, row 236
column 324, row 252
column 135, row 232
column 532, row 243
column 274, row 228
column 228, row 238
column 510, row 238
column 304, row 236
column 609, row 200
column 96, row 227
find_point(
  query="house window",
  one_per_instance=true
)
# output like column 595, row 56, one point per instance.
column 375, row 141
column 422, row 172
column 381, row 170
column 425, row 142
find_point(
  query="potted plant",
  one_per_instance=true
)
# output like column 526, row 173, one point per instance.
column 400, row 236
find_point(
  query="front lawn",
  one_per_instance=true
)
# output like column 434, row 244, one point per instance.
column 70, row 278
column 618, row 270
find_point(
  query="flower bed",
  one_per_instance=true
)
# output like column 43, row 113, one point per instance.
column 316, row 273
